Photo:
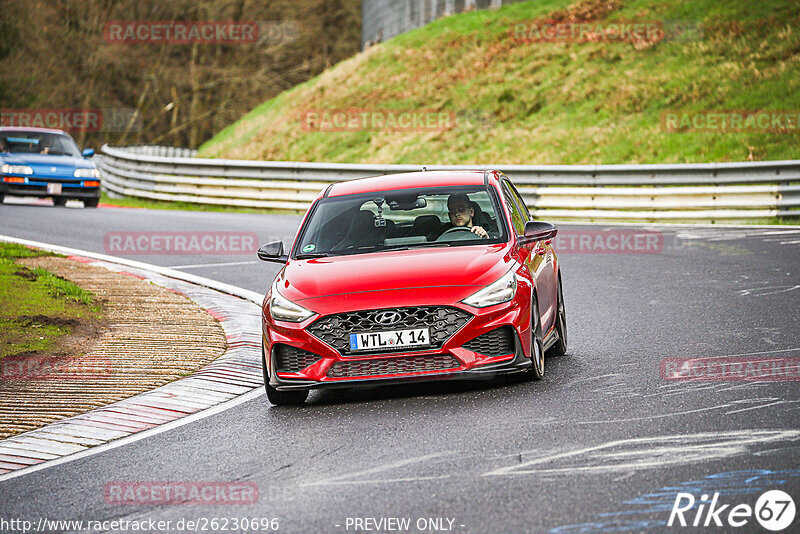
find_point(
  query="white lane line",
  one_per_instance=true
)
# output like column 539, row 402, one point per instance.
column 342, row 479
column 653, row 452
column 379, row 481
column 649, row 417
column 144, row 434
column 770, row 451
column 699, row 358
column 775, row 403
column 202, row 265
column 766, row 291
column 779, row 233
column 623, row 477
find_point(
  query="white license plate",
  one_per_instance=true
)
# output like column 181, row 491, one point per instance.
column 415, row 337
column 54, row 189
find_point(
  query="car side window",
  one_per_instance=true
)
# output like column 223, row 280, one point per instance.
column 517, row 218
column 520, row 202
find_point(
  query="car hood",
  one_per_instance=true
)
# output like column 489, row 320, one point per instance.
column 44, row 162
column 461, row 269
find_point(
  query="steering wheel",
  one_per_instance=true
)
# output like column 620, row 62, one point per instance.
column 457, row 229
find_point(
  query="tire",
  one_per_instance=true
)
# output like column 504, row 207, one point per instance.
column 2, row 198
column 59, row 201
column 280, row 398
column 91, row 202
column 536, row 370
column 560, row 348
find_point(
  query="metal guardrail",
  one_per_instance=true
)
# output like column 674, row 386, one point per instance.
column 165, row 151
column 703, row 191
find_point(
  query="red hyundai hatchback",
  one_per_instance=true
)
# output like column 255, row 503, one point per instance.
column 419, row 276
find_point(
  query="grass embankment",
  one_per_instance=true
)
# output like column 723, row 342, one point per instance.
column 548, row 103
column 37, row 307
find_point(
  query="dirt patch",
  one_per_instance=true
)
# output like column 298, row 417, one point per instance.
column 82, row 337
column 26, row 275
column 586, row 11
column 151, row 336
column 43, row 320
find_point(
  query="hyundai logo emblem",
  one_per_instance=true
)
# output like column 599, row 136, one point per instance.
column 388, row 318
column 52, row 169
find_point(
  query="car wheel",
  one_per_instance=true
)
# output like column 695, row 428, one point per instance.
column 560, row 348
column 280, row 398
column 2, row 198
column 59, row 201
column 91, row 202
column 536, row 370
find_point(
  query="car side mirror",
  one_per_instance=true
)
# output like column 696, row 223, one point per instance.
column 87, row 152
column 272, row 252
column 539, row 231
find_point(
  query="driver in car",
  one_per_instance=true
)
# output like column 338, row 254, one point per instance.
column 461, row 214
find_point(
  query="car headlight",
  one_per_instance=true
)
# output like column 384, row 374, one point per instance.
column 497, row 292
column 16, row 169
column 86, row 173
column 283, row 309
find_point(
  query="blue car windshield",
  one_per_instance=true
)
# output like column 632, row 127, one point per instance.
column 392, row 220
column 45, row 143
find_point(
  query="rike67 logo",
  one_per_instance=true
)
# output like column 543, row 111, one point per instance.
column 774, row 510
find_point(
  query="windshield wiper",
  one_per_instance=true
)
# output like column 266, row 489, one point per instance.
column 414, row 245
column 369, row 249
column 312, row 255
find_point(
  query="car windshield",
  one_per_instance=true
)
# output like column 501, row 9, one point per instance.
column 23, row 142
column 392, row 220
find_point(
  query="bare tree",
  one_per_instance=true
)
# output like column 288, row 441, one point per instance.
column 56, row 55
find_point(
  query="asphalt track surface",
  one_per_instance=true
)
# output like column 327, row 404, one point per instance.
column 603, row 444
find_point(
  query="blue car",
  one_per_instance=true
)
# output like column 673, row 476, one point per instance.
column 39, row 162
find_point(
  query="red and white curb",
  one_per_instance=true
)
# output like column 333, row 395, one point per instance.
column 232, row 378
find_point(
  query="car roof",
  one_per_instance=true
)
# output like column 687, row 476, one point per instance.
column 31, row 129
column 410, row 180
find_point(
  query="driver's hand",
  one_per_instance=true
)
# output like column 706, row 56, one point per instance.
column 479, row 231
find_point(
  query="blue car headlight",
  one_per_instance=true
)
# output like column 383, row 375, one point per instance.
column 16, row 169
column 86, row 173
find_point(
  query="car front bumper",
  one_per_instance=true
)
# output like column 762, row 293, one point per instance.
column 452, row 361
column 515, row 364
column 34, row 187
